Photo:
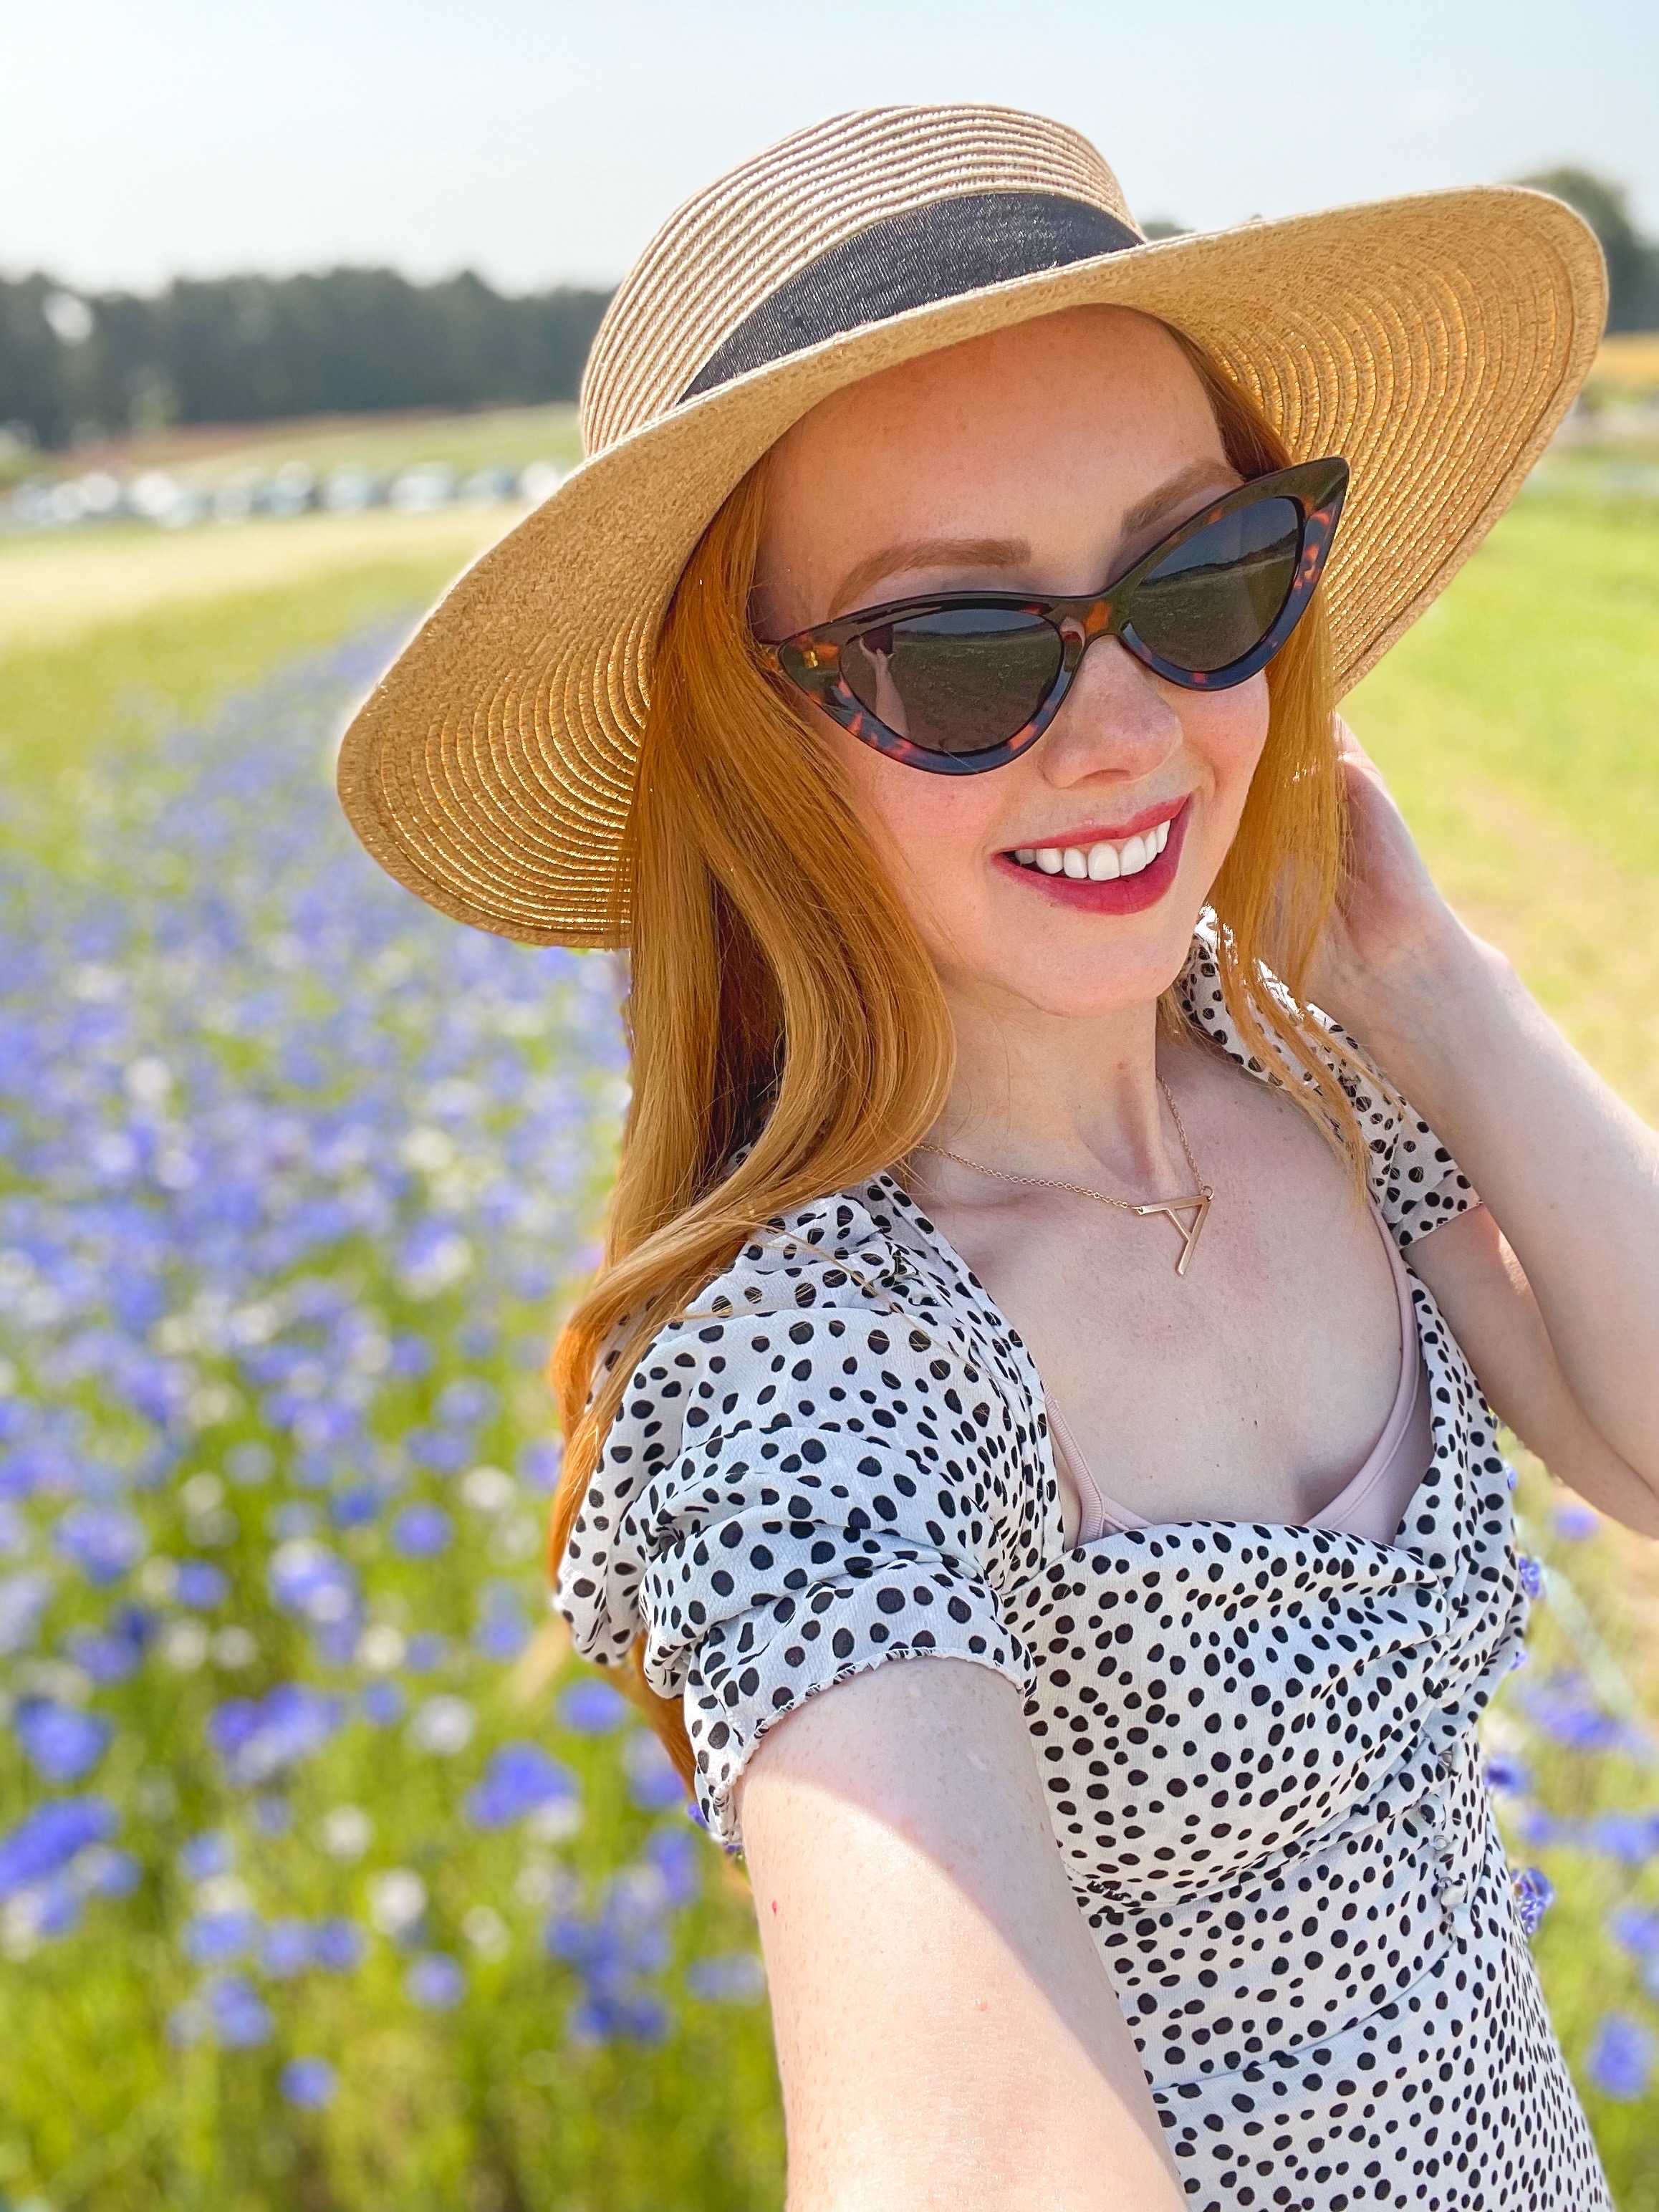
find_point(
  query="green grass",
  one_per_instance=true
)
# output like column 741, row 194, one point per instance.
column 103, row 638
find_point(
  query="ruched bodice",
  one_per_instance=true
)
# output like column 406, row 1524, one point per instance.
column 1256, row 1742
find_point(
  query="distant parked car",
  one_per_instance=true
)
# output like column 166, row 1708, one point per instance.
column 352, row 488
column 424, row 487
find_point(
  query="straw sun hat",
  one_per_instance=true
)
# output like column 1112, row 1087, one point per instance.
column 1435, row 342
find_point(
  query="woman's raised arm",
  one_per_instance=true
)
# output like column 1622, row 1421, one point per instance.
column 1560, row 1312
column 947, row 2035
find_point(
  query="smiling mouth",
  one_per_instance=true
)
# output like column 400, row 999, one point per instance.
column 1103, row 862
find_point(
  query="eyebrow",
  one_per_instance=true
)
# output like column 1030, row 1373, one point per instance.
column 1015, row 552
column 1197, row 476
column 929, row 553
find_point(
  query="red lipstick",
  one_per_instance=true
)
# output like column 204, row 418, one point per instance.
column 1128, row 894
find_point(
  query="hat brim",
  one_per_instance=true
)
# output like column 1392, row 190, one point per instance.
column 1434, row 342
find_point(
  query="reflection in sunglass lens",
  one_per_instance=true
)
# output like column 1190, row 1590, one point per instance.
column 955, row 679
column 1216, row 598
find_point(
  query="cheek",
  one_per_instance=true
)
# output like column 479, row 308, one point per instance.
column 1227, row 733
column 929, row 833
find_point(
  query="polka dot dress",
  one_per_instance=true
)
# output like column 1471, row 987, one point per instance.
column 1256, row 1741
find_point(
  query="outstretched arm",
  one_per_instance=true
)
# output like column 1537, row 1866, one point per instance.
column 948, row 2038
column 1552, row 1290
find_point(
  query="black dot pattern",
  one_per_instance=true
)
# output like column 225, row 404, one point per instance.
column 1256, row 1741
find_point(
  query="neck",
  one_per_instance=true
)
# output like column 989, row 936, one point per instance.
column 1061, row 1096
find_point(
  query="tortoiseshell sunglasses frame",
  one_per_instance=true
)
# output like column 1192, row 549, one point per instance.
column 811, row 660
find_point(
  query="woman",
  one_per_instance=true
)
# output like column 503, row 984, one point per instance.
column 1010, row 1266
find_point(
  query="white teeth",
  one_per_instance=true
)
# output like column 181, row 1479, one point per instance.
column 1101, row 864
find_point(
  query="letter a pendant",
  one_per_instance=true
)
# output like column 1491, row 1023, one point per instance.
column 1197, row 1205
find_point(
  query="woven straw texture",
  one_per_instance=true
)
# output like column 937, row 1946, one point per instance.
column 1435, row 342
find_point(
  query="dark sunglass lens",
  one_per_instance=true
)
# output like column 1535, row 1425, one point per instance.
column 957, row 679
column 1215, row 598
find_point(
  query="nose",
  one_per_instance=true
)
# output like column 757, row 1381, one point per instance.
column 1115, row 723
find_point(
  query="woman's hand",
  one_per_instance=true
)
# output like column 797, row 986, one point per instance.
column 1390, row 918
column 1557, row 1306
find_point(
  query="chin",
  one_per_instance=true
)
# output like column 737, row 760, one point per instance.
column 1076, row 983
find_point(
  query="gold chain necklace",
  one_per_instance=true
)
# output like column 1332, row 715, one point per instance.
column 1197, row 1205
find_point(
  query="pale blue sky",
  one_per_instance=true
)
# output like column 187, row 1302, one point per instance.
column 543, row 142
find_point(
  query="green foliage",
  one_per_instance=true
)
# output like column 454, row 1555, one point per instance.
column 245, row 349
column 1633, row 260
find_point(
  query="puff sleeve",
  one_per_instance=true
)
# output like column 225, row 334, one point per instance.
column 804, row 1480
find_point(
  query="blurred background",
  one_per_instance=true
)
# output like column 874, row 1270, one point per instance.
column 328, row 1879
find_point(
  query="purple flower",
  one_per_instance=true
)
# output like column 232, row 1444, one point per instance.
column 1532, row 1576
column 1575, row 1521
column 258, row 1738
column 308, row 2083
column 1534, row 1893
column 215, row 1939
column 308, row 1579
column 421, row 1532
column 296, row 1946
column 50, row 1837
column 103, row 1542
column 201, row 1584
column 1621, row 2057
column 653, row 1784
column 382, row 1704
column 61, row 1742
column 737, row 1977
column 676, row 1856
column 592, row 1708
column 1636, row 1928
column 520, row 1779
column 1508, row 1775
column 204, row 1856
column 435, row 1982
column 237, row 2013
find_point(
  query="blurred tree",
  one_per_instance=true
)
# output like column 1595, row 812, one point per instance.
column 1633, row 260
column 244, row 349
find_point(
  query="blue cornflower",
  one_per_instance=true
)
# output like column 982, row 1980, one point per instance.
column 1636, row 1928
column 653, row 1784
column 737, row 1977
column 1621, row 2057
column 104, row 1542
column 61, row 1742
column 201, row 1584
column 238, row 2013
column 1534, row 1893
column 421, row 1532
column 202, row 1857
column 51, row 1838
column 520, row 1779
column 435, row 1981
column 308, row 2083
column 215, row 1939
column 1532, row 1576
column 259, row 1738
column 1507, row 1774
column 592, row 1708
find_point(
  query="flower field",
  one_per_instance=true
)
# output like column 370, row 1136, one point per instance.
column 323, row 1881
column 327, row 1881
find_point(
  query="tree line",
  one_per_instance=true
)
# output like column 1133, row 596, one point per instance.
column 358, row 341
column 249, row 349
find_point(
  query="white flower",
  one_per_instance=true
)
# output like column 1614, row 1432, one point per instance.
column 396, row 1899
column 443, row 1724
column 346, row 1833
column 486, row 1931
